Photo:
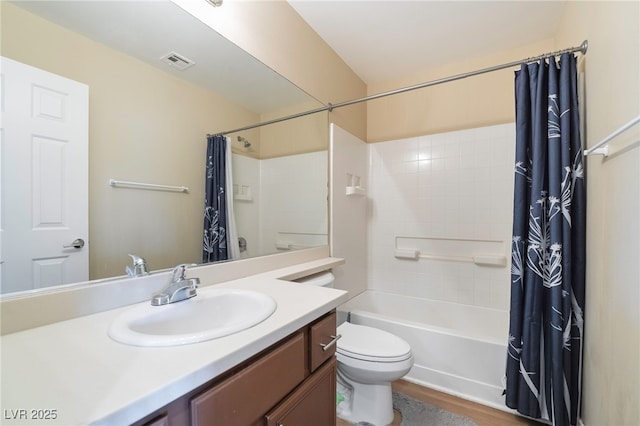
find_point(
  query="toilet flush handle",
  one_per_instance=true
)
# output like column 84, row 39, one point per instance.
column 326, row 346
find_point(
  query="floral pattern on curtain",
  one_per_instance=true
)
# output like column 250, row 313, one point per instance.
column 214, row 247
column 544, row 362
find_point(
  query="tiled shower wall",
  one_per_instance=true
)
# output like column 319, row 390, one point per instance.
column 293, row 204
column 246, row 174
column 288, row 202
column 455, row 187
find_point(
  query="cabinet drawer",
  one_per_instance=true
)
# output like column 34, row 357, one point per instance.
column 322, row 333
column 243, row 398
column 312, row 404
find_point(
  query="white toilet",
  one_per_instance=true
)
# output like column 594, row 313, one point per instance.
column 369, row 359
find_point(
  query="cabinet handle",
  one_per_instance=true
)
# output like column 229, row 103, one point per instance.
column 331, row 343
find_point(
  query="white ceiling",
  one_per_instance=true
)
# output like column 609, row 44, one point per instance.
column 150, row 29
column 379, row 39
column 388, row 39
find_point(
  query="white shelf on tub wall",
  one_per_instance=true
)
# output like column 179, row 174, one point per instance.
column 485, row 259
column 354, row 185
column 477, row 251
column 242, row 192
column 286, row 240
column 356, row 190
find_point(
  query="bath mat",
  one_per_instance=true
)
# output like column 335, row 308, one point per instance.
column 418, row 413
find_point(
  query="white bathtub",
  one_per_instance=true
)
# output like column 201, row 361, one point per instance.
column 458, row 349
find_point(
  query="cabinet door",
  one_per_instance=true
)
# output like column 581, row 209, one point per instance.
column 243, row 398
column 312, row 404
column 323, row 333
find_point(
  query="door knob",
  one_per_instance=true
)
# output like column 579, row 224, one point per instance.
column 77, row 243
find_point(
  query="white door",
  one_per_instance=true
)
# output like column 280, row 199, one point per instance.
column 43, row 179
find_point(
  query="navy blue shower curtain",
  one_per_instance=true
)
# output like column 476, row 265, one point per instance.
column 544, row 359
column 214, row 247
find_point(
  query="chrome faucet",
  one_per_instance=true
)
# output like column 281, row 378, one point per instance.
column 179, row 288
column 139, row 267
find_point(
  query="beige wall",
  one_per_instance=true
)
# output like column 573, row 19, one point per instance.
column 298, row 136
column 134, row 123
column 478, row 101
column 275, row 34
column 612, row 319
column 302, row 135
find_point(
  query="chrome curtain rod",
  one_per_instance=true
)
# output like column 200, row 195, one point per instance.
column 330, row 107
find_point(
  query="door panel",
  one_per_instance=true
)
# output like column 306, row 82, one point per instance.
column 44, row 178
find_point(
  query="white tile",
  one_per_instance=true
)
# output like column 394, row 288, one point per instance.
column 482, row 294
column 424, row 166
column 438, row 149
column 452, row 149
column 424, row 150
column 455, row 184
column 466, row 292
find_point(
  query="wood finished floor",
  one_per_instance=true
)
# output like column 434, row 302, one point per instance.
column 481, row 414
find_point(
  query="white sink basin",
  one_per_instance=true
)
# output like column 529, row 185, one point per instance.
column 211, row 314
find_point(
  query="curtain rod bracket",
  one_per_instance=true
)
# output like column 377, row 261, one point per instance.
column 330, row 107
column 584, row 46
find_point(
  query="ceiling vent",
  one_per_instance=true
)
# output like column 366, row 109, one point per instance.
column 177, row 61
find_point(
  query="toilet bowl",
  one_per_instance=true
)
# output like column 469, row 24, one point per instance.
column 368, row 361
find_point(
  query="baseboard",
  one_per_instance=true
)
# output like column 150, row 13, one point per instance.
column 481, row 393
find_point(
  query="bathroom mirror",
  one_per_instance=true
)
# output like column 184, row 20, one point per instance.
column 148, row 121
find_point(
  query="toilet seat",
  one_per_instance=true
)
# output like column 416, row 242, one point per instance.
column 371, row 344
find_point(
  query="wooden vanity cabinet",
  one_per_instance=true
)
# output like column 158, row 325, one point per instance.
column 312, row 404
column 293, row 382
column 245, row 397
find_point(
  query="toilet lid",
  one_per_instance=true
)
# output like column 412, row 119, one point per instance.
column 371, row 344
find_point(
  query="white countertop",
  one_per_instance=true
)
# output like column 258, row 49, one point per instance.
column 76, row 369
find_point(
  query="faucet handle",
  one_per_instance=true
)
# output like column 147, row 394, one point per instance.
column 137, row 260
column 180, row 272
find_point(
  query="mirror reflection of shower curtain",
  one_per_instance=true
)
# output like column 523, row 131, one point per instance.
column 220, row 237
